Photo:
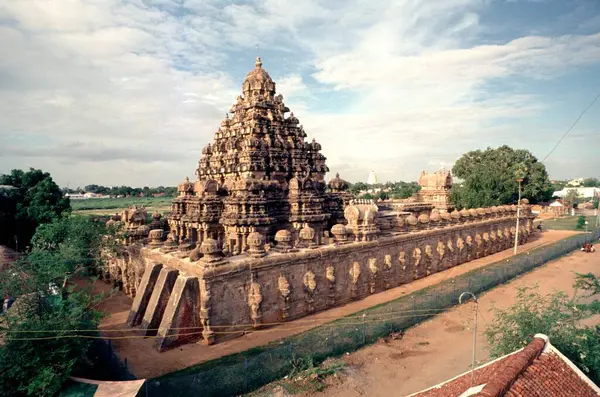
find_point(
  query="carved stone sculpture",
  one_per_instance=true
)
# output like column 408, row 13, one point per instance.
column 354, row 274
column 285, row 291
column 310, row 284
column 255, row 299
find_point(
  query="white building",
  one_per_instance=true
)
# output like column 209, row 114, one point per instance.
column 584, row 192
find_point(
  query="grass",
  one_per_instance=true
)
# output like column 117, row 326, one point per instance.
column 108, row 206
column 569, row 223
column 305, row 377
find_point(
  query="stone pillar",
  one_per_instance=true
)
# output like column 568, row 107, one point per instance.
column 181, row 312
column 144, row 292
column 158, row 300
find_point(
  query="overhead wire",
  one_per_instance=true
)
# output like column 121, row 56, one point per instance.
column 572, row 126
column 332, row 325
column 308, row 321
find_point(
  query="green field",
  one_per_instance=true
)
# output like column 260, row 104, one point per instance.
column 108, row 206
column 568, row 223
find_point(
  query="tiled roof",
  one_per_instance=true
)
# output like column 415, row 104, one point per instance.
column 538, row 370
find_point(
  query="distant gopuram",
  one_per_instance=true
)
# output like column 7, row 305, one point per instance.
column 258, row 175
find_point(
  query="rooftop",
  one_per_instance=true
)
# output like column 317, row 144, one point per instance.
column 537, row 370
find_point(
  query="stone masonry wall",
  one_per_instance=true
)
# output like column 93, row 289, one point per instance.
column 241, row 293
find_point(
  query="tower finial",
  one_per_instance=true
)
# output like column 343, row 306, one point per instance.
column 258, row 63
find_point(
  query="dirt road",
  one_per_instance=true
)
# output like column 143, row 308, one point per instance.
column 145, row 362
column 441, row 348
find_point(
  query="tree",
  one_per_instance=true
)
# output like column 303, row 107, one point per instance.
column 580, row 222
column 66, row 247
column 489, row 178
column 35, row 199
column 358, row 187
column 572, row 198
column 555, row 315
column 591, row 182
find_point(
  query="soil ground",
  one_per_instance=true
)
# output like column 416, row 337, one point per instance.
column 145, row 362
column 441, row 348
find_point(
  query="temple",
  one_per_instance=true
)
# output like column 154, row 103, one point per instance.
column 258, row 175
column 260, row 238
column 435, row 189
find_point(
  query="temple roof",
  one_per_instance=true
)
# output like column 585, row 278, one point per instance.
column 258, row 141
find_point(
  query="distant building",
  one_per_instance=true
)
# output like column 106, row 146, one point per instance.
column 539, row 369
column 575, row 182
column 372, row 179
column 584, row 192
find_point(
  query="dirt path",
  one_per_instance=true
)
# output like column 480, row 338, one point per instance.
column 441, row 348
column 145, row 362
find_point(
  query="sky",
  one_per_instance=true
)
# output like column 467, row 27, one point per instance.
column 127, row 92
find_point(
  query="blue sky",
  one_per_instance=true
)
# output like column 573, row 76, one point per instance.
column 129, row 91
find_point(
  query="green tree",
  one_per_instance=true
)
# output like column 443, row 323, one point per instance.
column 35, row 363
column 591, row 182
column 556, row 315
column 358, row 187
column 35, row 199
column 47, row 301
column 580, row 222
column 488, row 178
column 572, row 198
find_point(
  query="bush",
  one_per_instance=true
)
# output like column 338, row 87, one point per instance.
column 580, row 222
column 555, row 315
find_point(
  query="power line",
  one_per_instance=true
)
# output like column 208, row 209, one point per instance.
column 342, row 321
column 572, row 126
column 73, row 336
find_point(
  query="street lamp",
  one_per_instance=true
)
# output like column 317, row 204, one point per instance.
column 519, row 176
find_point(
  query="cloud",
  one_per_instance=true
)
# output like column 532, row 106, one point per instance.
column 90, row 87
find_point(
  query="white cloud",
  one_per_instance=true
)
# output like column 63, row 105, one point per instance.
column 141, row 86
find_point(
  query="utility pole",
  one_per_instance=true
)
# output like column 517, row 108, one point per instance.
column 474, row 330
column 518, row 217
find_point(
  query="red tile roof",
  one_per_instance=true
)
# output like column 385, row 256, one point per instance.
column 538, row 370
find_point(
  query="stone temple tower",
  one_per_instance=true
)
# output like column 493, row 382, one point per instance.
column 258, row 175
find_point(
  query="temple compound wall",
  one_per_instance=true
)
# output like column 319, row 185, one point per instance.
column 209, row 293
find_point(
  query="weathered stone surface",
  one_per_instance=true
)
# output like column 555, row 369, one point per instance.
column 181, row 321
column 159, row 299
column 144, row 292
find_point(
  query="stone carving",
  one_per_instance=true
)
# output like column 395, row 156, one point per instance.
column 417, row 263
column 388, row 261
column 285, row 291
column 340, row 233
column 283, row 240
column 205, row 308
column 460, row 246
column 155, row 237
column 450, row 245
column 361, row 216
column 469, row 247
column 374, row 271
column 441, row 249
column 435, row 188
column 428, row 260
column 388, row 268
column 402, row 259
column 330, row 276
column 256, row 245
column 354, row 274
column 255, row 298
column 310, row 285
